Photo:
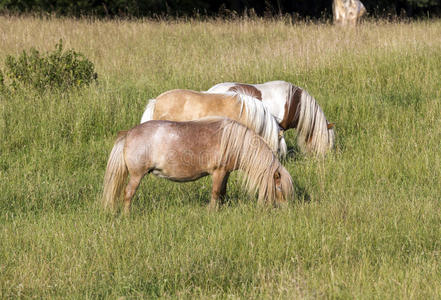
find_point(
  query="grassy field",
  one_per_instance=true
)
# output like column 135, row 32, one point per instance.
column 366, row 220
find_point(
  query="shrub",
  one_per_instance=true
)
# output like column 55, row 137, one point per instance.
column 53, row 70
column 3, row 88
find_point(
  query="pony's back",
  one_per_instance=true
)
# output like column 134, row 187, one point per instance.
column 187, row 105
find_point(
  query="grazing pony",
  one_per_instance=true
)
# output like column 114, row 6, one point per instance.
column 347, row 12
column 293, row 107
column 186, row 151
column 187, row 105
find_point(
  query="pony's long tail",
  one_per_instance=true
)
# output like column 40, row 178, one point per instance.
column 116, row 173
column 149, row 110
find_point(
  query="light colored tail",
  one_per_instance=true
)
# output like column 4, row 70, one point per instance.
column 116, row 174
column 149, row 110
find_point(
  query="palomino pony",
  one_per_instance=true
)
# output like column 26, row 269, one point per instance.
column 186, row 151
column 292, row 107
column 187, row 105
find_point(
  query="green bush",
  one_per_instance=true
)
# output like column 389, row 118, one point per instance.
column 3, row 88
column 53, row 70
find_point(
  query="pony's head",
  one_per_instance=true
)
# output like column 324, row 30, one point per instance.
column 283, row 186
column 315, row 134
column 263, row 171
column 321, row 141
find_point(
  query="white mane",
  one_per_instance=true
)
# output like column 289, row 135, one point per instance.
column 262, row 121
column 313, row 133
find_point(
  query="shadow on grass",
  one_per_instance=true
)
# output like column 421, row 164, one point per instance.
column 301, row 194
column 293, row 154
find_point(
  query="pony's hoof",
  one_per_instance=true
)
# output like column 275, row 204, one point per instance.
column 281, row 205
column 126, row 211
column 213, row 207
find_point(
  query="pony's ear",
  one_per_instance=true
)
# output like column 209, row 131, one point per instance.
column 278, row 181
column 330, row 125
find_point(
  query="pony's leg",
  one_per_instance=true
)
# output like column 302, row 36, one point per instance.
column 130, row 191
column 223, row 190
column 219, row 178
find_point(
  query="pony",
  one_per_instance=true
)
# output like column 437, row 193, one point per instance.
column 187, row 151
column 292, row 107
column 186, row 105
column 347, row 11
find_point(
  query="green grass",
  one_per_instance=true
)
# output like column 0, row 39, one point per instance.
column 365, row 222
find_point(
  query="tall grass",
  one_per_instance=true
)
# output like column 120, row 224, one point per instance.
column 366, row 220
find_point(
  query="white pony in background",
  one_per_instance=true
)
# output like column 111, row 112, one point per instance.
column 292, row 107
column 347, row 12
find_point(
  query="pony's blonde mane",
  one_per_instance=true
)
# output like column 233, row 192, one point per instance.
column 313, row 134
column 251, row 155
column 261, row 121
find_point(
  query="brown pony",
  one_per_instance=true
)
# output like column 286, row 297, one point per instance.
column 187, row 151
column 187, row 105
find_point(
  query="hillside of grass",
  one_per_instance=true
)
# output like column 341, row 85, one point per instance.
column 365, row 222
